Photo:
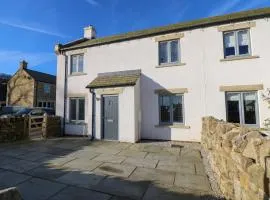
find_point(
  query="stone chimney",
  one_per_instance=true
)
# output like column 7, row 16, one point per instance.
column 23, row 64
column 89, row 32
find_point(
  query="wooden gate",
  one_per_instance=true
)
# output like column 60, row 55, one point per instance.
column 35, row 126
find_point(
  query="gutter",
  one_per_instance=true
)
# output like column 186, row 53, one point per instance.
column 65, row 96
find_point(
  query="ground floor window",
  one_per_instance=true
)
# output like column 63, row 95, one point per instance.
column 171, row 109
column 77, row 109
column 242, row 107
column 46, row 104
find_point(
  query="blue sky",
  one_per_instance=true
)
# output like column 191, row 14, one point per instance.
column 29, row 29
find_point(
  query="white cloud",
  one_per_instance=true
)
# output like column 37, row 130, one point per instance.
column 31, row 28
column 10, row 57
column 222, row 9
column 92, row 2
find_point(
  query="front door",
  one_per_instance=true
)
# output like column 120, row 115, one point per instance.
column 110, row 117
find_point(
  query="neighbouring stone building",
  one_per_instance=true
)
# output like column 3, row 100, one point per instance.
column 3, row 88
column 29, row 88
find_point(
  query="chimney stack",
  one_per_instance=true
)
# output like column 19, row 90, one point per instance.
column 89, row 32
column 23, row 64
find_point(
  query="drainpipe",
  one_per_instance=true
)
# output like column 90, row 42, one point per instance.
column 65, row 95
column 93, row 113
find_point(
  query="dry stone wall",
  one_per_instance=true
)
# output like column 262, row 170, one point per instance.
column 13, row 129
column 239, row 158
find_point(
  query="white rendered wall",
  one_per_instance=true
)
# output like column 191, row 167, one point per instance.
column 203, row 74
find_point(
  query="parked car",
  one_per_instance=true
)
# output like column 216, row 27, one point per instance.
column 27, row 111
column 9, row 110
column 34, row 112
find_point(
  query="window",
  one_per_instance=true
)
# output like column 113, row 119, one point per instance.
column 47, row 88
column 77, row 109
column 242, row 107
column 171, row 109
column 169, row 52
column 46, row 104
column 76, row 64
column 236, row 43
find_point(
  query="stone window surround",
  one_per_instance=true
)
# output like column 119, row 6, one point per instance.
column 172, row 91
column 168, row 37
column 109, row 91
column 237, row 88
column 233, row 27
column 71, row 53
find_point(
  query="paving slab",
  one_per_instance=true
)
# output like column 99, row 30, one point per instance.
column 115, row 169
column 199, row 168
column 123, row 187
column 7, row 159
column 38, row 189
column 81, row 179
column 195, row 182
column 47, row 172
column 186, row 169
column 162, row 156
column 33, row 156
column 72, row 193
column 82, row 164
column 141, row 162
column 103, row 150
column 153, row 175
column 58, row 161
column 133, row 153
column 11, row 179
column 167, row 192
column 109, row 158
column 14, row 152
column 87, row 154
column 20, row 166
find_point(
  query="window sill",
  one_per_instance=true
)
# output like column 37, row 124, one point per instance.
column 76, row 123
column 171, row 65
column 77, row 74
column 239, row 58
column 180, row 126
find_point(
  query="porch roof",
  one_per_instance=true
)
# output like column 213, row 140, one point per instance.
column 115, row 79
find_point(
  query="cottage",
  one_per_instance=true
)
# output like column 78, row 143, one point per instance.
column 159, row 83
column 29, row 88
column 3, row 89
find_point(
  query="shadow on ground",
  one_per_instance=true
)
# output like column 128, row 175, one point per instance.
column 76, row 168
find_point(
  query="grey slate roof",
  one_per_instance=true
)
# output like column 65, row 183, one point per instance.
column 115, row 79
column 199, row 23
column 42, row 77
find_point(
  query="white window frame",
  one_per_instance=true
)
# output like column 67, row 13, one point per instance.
column 77, row 64
column 169, row 52
column 241, row 107
column 235, row 32
column 171, row 110
column 77, row 109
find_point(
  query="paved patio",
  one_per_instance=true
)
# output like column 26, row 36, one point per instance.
column 76, row 168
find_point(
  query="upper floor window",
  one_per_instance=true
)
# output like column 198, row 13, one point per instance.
column 171, row 109
column 169, row 52
column 76, row 63
column 47, row 88
column 236, row 43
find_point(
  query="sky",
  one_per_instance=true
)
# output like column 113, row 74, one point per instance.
column 29, row 29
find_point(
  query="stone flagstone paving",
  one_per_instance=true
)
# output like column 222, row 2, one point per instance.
column 76, row 168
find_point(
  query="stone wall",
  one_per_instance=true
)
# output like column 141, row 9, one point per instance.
column 51, row 127
column 13, row 129
column 239, row 158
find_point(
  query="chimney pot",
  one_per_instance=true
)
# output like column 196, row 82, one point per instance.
column 90, row 32
column 23, row 64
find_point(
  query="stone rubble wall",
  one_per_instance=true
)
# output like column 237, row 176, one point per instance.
column 239, row 158
column 13, row 129
column 10, row 194
column 51, row 127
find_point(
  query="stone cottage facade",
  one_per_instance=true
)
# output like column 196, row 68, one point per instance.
column 159, row 83
column 28, row 88
column 3, row 89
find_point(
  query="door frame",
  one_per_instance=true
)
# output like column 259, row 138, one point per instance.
column 102, row 115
